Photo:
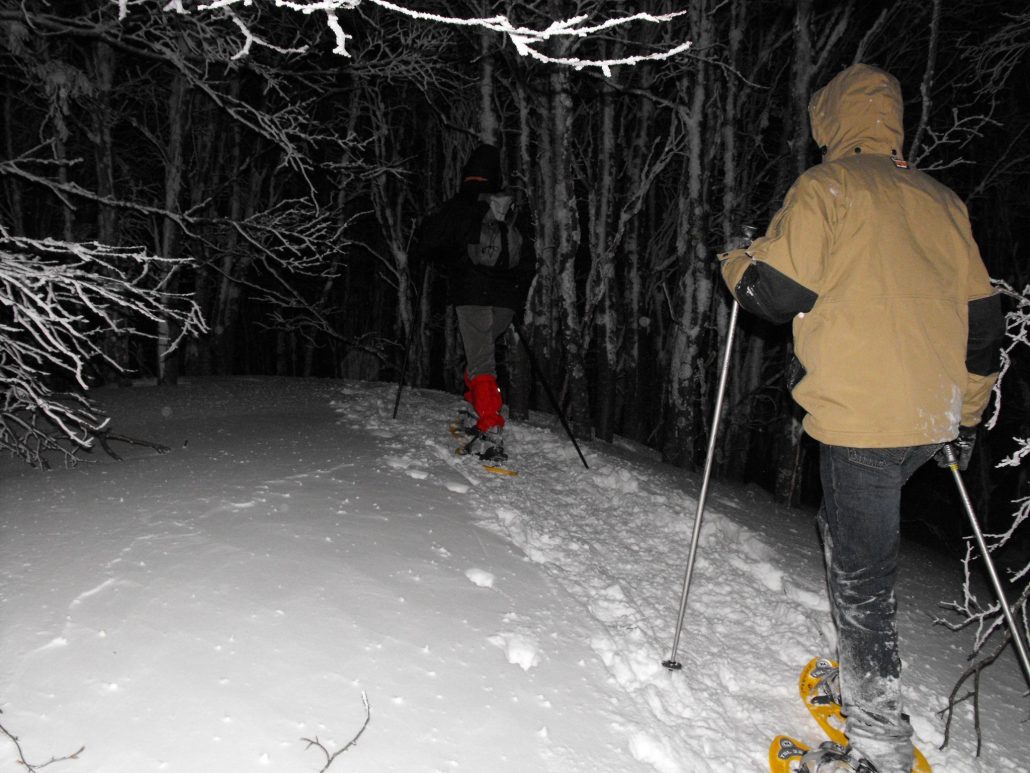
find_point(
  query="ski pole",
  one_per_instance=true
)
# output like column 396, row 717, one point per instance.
column 952, row 459
column 415, row 320
column 550, row 394
column 671, row 663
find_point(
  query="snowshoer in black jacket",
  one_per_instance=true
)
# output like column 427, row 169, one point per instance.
column 482, row 248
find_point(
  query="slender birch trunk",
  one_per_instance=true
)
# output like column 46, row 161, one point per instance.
column 567, row 240
column 520, row 376
column 603, row 256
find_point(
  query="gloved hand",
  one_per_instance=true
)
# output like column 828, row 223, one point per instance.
column 742, row 241
column 962, row 446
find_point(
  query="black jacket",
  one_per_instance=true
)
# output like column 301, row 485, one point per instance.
column 447, row 236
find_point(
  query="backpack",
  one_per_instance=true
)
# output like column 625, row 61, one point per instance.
column 496, row 242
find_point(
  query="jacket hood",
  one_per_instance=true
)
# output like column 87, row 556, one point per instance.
column 482, row 171
column 859, row 111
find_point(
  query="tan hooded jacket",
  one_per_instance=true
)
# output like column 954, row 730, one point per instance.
column 895, row 320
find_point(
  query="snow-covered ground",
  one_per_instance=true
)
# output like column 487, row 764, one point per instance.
column 298, row 549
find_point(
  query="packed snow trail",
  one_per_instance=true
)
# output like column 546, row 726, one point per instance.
column 209, row 609
column 617, row 541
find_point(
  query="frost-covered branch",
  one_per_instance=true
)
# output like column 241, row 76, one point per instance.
column 292, row 242
column 1017, row 331
column 962, row 131
column 998, row 57
column 528, row 41
column 59, row 303
column 69, row 192
column 989, row 619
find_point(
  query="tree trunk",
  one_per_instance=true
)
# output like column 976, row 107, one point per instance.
column 788, row 430
column 168, row 362
column 520, row 374
column 636, row 390
column 14, row 206
column 236, row 262
column 104, row 63
column 602, row 256
column 567, row 240
column 694, row 289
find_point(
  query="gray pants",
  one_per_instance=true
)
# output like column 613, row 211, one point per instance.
column 480, row 327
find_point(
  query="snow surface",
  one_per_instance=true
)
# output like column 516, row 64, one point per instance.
column 298, row 548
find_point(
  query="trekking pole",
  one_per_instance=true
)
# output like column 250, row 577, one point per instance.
column 671, row 663
column 415, row 320
column 952, row 459
column 547, row 389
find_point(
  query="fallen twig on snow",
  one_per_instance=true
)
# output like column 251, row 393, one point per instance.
column 331, row 758
column 31, row 767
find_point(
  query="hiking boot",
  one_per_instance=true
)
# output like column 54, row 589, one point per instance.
column 831, row 757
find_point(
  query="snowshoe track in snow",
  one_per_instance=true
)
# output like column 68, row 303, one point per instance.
column 618, row 544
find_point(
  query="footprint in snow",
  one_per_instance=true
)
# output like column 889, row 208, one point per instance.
column 407, row 465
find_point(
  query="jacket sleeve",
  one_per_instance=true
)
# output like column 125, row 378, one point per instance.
column 437, row 240
column 778, row 276
column 984, row 339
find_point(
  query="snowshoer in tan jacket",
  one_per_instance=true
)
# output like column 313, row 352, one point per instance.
column 898, row 330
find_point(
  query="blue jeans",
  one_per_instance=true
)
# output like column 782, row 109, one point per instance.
column 860, row 521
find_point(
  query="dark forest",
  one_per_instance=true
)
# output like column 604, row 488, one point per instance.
column 267, row 185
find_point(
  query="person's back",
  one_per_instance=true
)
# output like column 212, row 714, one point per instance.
column 484, row 251
column 888, row 260
column 898, row 329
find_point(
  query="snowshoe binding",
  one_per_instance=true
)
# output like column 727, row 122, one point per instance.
column 819, row 686
column 464, row 425
column 821, row 683
column 831, row 757
column 488, row 446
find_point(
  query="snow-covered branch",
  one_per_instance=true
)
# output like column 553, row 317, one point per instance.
column 989, row 619
column 60, row 302
column 528, row 41
column 1017, row 330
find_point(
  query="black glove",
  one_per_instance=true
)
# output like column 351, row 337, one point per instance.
column 962, row 447
column 741, row 242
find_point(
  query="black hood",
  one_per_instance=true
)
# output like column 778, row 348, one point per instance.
column 482, row 171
